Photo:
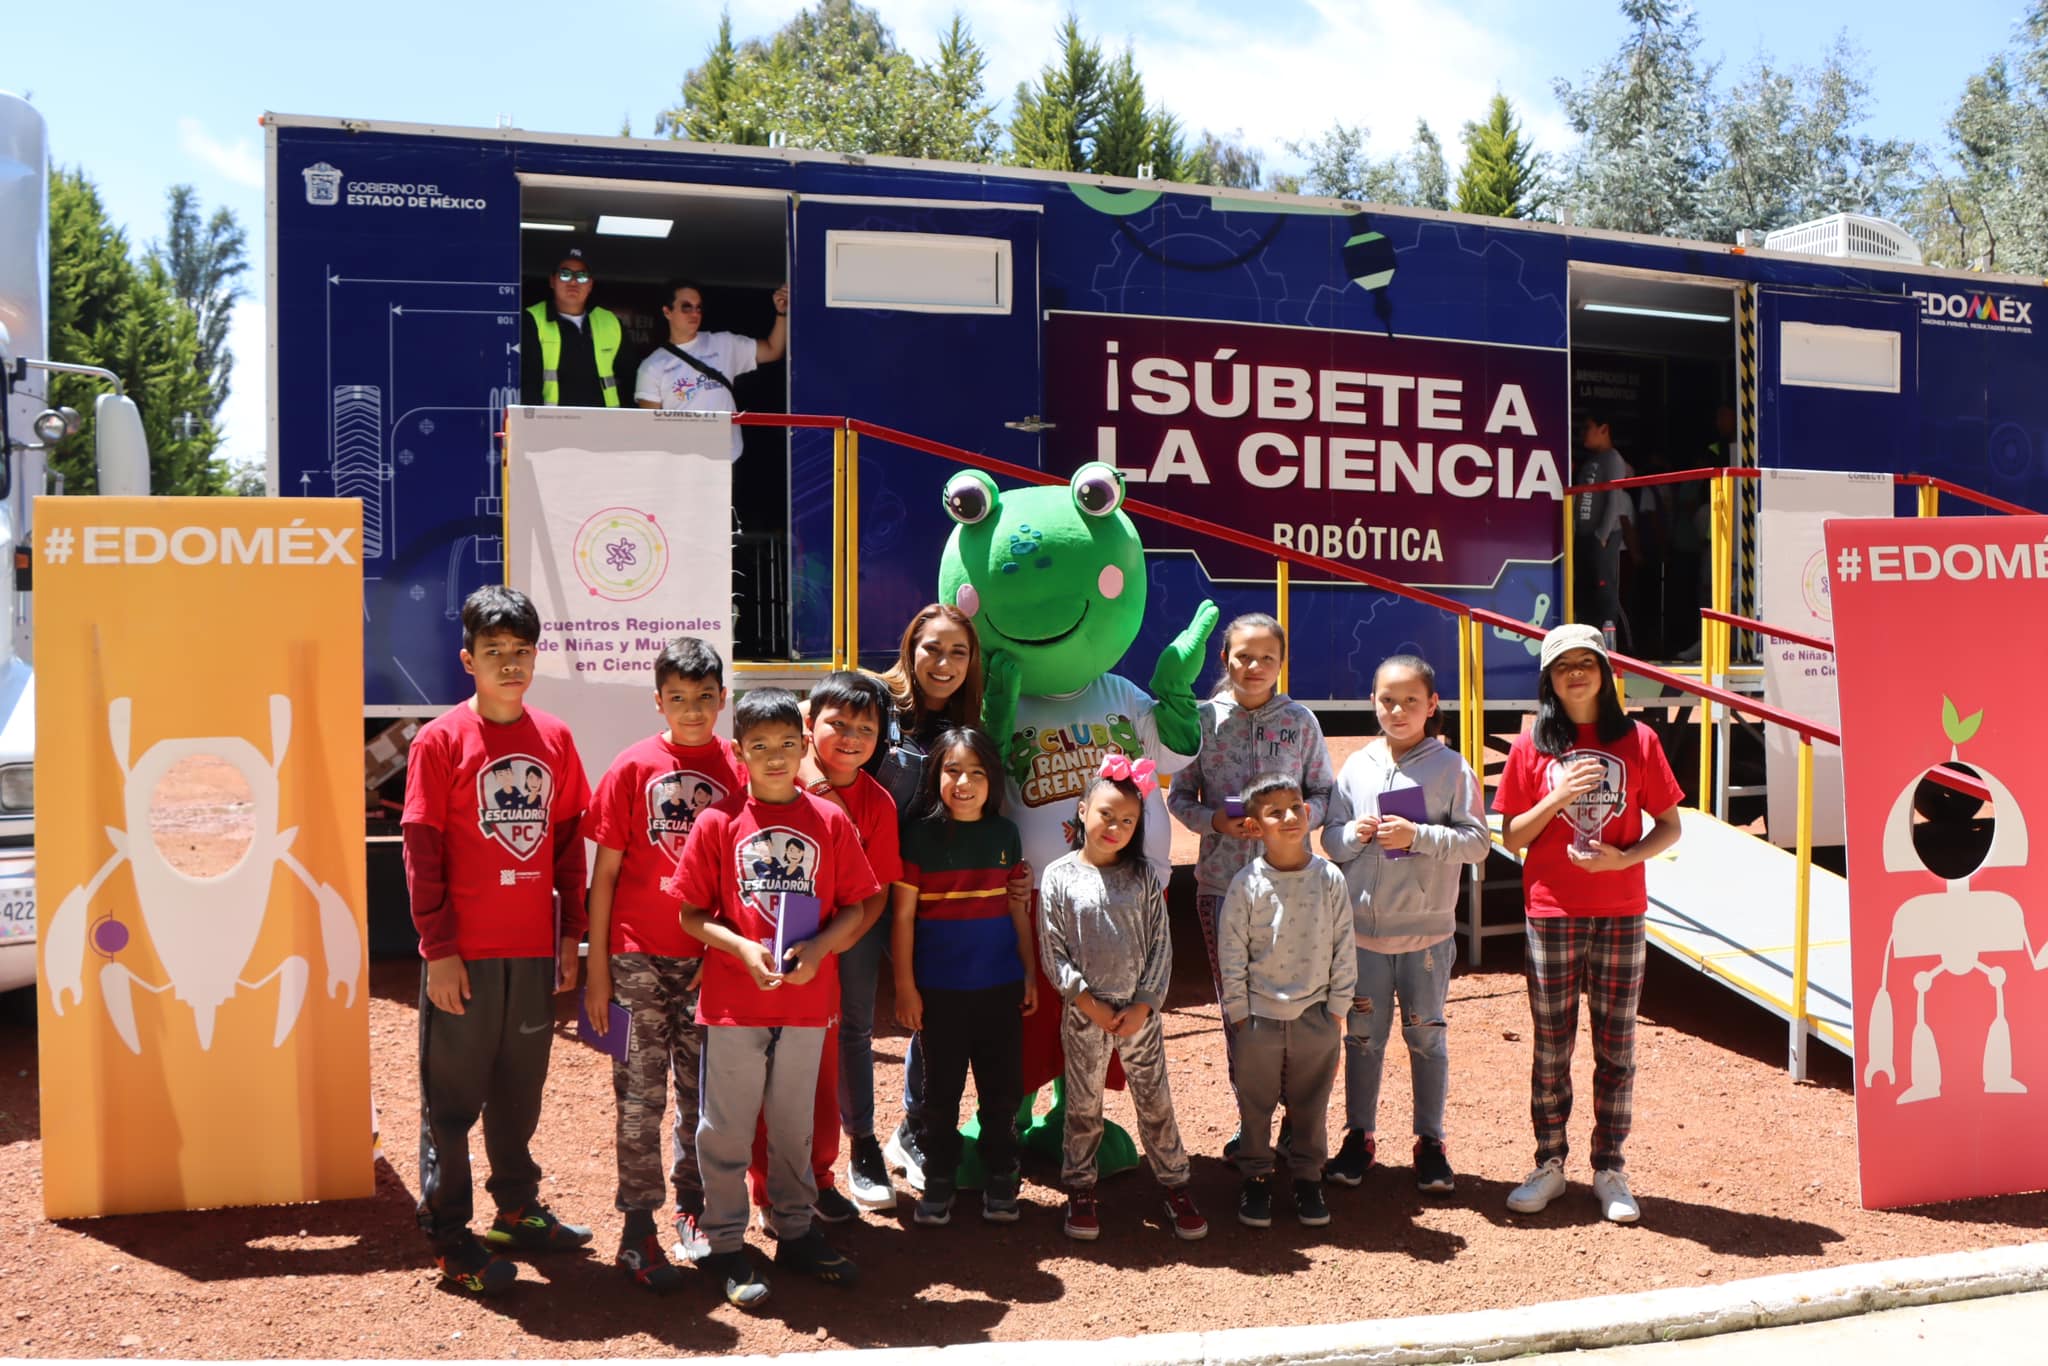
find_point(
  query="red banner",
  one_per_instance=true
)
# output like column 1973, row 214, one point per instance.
column 1940, row 658
column 1433, row 462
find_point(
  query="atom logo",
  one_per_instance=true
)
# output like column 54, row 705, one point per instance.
column 621, row 554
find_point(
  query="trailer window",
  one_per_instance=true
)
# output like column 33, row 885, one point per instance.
column 1827, row 357
column 917, row 272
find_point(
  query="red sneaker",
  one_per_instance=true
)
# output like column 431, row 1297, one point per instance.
column 1188, row 1224
column 1082, row 1220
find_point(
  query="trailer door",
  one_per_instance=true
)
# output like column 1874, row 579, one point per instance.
column 1836, row 380
column 919, row 317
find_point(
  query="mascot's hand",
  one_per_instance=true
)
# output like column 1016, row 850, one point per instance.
column 1173, row 683
column 1003, row 682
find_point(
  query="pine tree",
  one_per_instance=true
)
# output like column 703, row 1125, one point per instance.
column 1055, row 120
column 1502, row 176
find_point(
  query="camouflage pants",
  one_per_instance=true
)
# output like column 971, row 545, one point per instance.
column 661, row 995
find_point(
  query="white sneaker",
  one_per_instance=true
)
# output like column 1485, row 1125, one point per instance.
column 1541, row 1187
column 1616, row 1200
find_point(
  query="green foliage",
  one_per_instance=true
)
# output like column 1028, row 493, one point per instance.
column 1088, row 112
column 1788, row 151
column 1429, row 179
column 1645, row 123
column 107, row 310
column 204, row 263
column 1339, row 167
column 833, row 79
column 1223, row 161
column 1988, row 208
column 1503, row 175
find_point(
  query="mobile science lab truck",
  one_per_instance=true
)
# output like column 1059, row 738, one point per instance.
column 1391, row 388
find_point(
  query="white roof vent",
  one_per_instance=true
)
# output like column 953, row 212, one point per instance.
column 1847, row 234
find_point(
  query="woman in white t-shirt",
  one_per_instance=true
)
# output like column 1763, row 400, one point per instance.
column 668, row 378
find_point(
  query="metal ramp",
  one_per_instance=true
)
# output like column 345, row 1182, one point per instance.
column 1722, row 900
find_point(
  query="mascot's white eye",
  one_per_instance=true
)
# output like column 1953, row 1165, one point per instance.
column 1098, row 490
column 970, row 497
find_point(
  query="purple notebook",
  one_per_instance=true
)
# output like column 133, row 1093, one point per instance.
column 797, row 918
column 1409, row 805
column 618, row 1029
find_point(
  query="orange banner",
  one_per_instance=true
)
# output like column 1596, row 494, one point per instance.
column 199, row 843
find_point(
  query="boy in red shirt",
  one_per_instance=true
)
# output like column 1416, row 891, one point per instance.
column 848, row 710
column 765, row 1013
column 494, row 871
column 639, row 955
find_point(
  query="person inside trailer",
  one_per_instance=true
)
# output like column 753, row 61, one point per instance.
column 569, row 351
column 695, row 369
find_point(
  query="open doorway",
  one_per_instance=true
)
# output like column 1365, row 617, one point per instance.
column 1653, row 360
column 733, row 243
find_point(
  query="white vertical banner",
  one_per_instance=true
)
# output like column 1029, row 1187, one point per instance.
column 619, row 527
column 1792, row 592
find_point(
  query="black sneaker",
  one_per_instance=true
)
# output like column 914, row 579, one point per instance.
column 935, row 1206
column 535, row 1229
column 647, row 1266
column 1308, row 1204
column 867, row 1176
column 999, row 1198
column 833, row 1207
column 468, row 1267
column 1255, row 1202
column 904, row 1154
column 1353, row 1160
column 812, row 1254
column 743, row 1287
column 1432, row 1169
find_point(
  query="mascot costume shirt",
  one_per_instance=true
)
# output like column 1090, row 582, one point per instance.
column 1054, row 580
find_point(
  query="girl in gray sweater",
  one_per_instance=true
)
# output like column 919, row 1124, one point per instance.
column 1405, row 814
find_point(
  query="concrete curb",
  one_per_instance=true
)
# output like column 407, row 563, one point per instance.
column 1500, row 1334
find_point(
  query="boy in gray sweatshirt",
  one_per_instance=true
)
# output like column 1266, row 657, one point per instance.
column 1283, row 946
column 1405, row 814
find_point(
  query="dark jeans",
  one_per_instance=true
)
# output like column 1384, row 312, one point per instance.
column 982, row 1029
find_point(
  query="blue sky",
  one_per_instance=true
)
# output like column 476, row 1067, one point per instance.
column 177, row 96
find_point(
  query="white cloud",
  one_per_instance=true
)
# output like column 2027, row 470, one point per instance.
column 239, row 161
column 244, row 418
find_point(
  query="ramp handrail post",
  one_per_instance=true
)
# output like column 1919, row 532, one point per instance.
column 852, row 549
column 1568, row 610
column 1281, row 571
column 1468, row 685
column 839, row 437
column 1930, row 500
column 1802, row 895
column 1722, row 589
column 1477, row 758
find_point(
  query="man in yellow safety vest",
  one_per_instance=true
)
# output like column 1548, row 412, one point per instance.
column 569, row 351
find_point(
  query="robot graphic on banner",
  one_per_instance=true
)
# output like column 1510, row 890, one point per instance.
column 1958, row 926
column 1054, row 579
column 202, row 930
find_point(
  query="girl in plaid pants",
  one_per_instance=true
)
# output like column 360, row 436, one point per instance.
column 1574, row 796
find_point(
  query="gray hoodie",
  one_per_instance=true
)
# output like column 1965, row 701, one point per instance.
column 1396, row 898
column 1237, row 746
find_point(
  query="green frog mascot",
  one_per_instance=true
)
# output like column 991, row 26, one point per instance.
column 1054, row 580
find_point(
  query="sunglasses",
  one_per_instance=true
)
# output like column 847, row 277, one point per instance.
column 573, row 277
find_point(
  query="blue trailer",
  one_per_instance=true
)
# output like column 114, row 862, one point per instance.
column 1392, row 388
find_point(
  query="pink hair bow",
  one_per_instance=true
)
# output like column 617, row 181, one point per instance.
column 1143, row 774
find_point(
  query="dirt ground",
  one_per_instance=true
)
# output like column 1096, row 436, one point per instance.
column 1741, row 1173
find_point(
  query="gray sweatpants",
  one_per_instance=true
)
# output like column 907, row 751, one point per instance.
column 1144, row 1054
column 753, row 1074
column 489, row 1061
column 1295, row 1060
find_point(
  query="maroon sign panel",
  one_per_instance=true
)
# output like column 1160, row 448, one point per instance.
column 1432, row 462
